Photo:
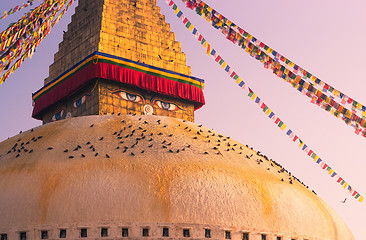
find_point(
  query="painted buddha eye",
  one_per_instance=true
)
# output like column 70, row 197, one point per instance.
column 166, row 106
column 57, row 116
column 128, row 96
column 80, row 101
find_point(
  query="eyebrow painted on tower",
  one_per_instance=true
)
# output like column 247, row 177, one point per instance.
column 118, row 57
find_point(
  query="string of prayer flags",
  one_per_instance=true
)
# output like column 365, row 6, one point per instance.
column 18, row 43
column 17, row 8
column 235, row 33
column 256, row 99
column 320, row 93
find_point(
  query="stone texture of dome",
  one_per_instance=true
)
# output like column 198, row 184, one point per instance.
column 149, row 172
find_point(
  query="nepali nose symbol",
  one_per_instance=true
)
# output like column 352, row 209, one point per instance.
column 148, row 109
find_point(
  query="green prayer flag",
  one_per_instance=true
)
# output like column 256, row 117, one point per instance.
column 313, row 155
column 236, row 77
column 328, row 169
column 280, row 124
column 221, row 61
column 174, row 6
column 250, row 94
column 357, row 195
column 343, row 182
column 188, row 24
column 265, row 109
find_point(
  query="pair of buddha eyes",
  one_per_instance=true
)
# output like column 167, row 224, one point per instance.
column 137, row 98
column 77, row 103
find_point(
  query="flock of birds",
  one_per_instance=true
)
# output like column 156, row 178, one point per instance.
column 138, row 140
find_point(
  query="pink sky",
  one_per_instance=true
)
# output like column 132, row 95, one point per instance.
column 324, row 37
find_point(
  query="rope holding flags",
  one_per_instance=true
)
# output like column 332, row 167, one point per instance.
column 17, row 8
column 320, row 93
column 20, row 40
column 264, row 107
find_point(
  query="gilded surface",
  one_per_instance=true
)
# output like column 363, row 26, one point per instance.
column 130, row 29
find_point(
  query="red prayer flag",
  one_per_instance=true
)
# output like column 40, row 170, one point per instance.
column 310, row 152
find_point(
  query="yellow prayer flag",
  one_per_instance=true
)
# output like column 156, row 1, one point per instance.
column 359, row 105
column 331, row 171
column 205, row 44
column 270, row 50
column 316, row 158
column 348, row 114
column 313, row 78
column 301, row 144
column 283, row 127
column 345, row 185
column 176, row 11
column 229, row 23
column 268, row 111
column 224, row 65
column 249, row 37
column 360, row 199
column 254, row 96
column 291, row 64
column 191, row 28
column 238, row 80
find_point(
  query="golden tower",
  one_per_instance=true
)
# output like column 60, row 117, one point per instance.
column 118, row 57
